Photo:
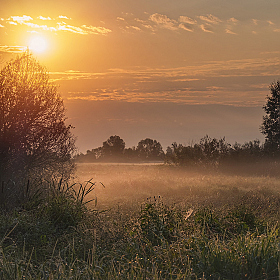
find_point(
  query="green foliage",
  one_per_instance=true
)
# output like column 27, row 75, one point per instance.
column 62, row 239
column 228, row 222
column 158, row 222
column 66, row 206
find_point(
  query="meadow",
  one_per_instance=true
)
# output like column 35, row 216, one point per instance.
column 149, row 221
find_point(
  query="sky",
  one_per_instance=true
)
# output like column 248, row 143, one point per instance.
column 170, row 70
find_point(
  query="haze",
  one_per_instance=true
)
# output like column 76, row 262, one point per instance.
column 167, row 70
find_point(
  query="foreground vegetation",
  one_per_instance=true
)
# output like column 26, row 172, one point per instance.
column 224, row 227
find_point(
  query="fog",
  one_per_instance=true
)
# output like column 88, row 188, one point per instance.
column 132, row 184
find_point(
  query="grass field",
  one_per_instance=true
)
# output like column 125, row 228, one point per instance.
column 131, row 184
column 150, row 221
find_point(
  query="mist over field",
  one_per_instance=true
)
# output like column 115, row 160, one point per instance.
column 129, row 185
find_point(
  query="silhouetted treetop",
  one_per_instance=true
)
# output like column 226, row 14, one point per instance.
column 149, row 149
column 271, row 121
column 114, row 146
column 33, row 133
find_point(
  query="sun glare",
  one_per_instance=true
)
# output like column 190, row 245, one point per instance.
column 38, row 44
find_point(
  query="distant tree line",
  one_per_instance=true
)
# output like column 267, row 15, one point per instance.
column 212, row 151
column 208, row 151
column 114, row 150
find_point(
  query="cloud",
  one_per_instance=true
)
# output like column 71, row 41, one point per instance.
column 2, row 25
column 188, row 20
column 233, row 20
column 255, row 21
column 133, row 27
column 210, row 19
column 226, row 81
column 12, row 49
column 164, row 21
column 97, row 30
column 187, row 27
column 44, row 18
column 228, row 31
column 206, row 28
column 20, row 19
column 270, row 22
column 60, row 26
column 42, row 27
column 65, row 17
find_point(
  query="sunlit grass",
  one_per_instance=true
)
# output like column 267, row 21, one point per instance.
column 150, row 222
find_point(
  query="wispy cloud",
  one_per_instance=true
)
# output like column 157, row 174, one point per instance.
column 208, row 23
column 12, row 49
column 64, row 17
column 59, row 26
column 225, row 82
column 188, row 20
column 164, row 21
column 233, row 20
column 96, row 30
column 228, row 31
column 206, row 28
column 187, row 27
column 44, row 18
column 20, row 19
column 210, row 19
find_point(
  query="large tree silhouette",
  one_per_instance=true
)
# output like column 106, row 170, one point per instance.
column 271, row 121
column 34, row 137
column 149, row 149
column 113, row 147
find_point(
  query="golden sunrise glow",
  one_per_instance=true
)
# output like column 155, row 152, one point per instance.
column 38, row 44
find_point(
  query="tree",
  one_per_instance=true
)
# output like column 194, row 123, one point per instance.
column 113, row 147
column 149, row 149
column 34, row 137
column 271, row 121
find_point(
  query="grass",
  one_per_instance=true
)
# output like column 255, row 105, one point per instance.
column 150, row 222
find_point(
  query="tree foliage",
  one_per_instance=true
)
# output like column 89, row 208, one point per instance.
column 149, row 149
column 271, row 121
column 114, row 146
column 33, row 134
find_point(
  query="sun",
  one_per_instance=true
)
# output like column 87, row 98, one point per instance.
column 38, row 44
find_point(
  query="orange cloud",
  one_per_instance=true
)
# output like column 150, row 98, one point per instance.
column 228, row 31
column 186, row 27
column 60, row 26
column 206, row 28
column 164, row 21
column 188, row 20
column 210, row 18
column 12, row 49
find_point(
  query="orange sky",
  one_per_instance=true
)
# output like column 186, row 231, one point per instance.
column 174, row 57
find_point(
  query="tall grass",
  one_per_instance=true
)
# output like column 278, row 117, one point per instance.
column 67, row 236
